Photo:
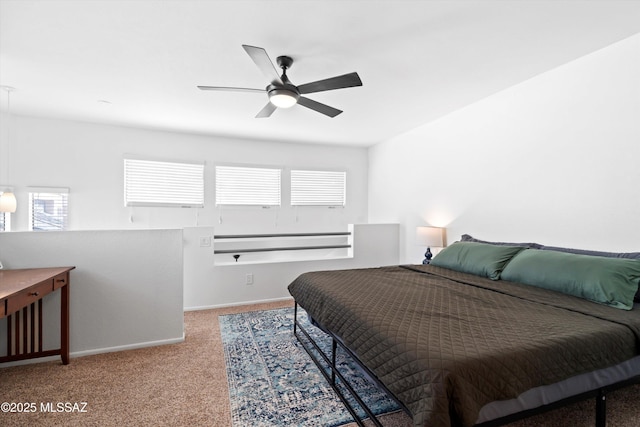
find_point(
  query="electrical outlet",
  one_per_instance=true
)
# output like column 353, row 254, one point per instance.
column 249, row 280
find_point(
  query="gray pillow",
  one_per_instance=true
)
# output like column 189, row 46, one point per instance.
column 627, row 255
column 469, row 238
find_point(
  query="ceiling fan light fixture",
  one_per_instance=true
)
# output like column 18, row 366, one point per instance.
column 283, row 98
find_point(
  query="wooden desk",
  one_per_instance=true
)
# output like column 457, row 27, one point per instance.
column 21, row 293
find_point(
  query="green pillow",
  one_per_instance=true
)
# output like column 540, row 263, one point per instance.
column 609, row 281
column 481, row 259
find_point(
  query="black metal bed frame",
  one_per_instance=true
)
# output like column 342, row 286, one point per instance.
column 600, row 394
column 331, row 379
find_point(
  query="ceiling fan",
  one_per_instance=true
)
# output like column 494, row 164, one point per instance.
column 284, row 94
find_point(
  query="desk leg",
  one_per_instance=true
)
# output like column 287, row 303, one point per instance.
column 64, row 325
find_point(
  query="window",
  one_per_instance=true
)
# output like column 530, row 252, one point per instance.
column 48, row 208
column 247, row 186
column 318, row 188
column 157, row 183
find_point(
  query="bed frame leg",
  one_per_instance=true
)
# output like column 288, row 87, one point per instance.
column 601, row 409
column 334, row 348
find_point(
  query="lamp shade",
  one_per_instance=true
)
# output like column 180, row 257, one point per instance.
column 7, row 202
column 429, row 236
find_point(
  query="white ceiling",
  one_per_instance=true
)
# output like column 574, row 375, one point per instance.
column 418, row 60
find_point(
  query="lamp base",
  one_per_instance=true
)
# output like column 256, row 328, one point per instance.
column 427, row 256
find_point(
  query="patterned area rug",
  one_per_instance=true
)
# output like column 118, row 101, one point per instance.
column 274, row 382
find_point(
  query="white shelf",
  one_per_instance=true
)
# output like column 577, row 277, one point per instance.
column 279, row 248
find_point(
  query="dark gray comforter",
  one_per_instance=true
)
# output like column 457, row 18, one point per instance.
column 447, row 343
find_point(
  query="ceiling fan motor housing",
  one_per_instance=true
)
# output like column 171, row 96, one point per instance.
column 283, row 96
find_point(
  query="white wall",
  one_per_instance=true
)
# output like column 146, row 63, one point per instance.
column 88, row 158
column 125, row 292
column 117, row 296
column 553, row 159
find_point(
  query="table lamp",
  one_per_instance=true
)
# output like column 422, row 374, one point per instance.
column 429, row 236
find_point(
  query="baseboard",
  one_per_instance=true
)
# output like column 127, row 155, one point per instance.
column 31, row 361
column 75, row 354
column 237, row 304
column 127, row 347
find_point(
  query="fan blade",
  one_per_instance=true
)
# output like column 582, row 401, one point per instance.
column 231, row 89
column 262, row 60
column 317, row 106
column 339, row 82
column 266, row 111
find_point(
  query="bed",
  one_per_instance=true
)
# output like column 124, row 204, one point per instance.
column 488, row 332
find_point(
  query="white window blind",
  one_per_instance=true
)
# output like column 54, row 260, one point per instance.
column 247, row 186
column 318, row 188
column 158, row 183
column 48, row 208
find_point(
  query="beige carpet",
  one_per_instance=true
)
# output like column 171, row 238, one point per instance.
column 185, row 385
